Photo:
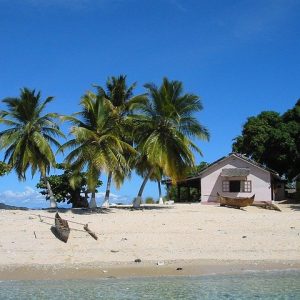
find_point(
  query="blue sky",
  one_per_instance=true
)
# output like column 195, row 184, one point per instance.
column 241, row 57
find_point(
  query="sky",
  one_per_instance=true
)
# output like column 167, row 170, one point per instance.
column 241, row 57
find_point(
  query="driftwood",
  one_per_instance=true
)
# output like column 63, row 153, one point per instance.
column 267, row 205
column 91, row 233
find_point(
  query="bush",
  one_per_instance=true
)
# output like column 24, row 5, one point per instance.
column 149, row 200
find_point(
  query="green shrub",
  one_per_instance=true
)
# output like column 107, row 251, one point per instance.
column 149, row 200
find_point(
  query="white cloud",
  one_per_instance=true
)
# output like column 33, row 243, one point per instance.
column 33, row 199
column 29, row 198
column 113, row 198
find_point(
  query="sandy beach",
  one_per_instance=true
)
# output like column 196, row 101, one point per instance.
column 181, row 239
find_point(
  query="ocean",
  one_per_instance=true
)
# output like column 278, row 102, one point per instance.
column 252, row 285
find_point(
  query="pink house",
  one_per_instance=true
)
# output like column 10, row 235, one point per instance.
column 238, row 176
column 234, row 175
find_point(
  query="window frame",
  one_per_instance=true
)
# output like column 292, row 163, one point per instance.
column 245, row 186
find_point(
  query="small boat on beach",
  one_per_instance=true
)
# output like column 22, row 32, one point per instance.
column 236, row 202
column 61, row 229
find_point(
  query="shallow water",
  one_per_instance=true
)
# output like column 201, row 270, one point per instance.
column 261, row 285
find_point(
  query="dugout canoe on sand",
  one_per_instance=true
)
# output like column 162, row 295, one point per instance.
column 61, row 230
column 236, row 202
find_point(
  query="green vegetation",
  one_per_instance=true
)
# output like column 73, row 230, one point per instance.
column 97, row 144
column 68, row 187
column 123, row 103
column 150, row 200
column 192, row 195
column 28, row 139
column 164, row 130
column 273, row 140
column 4, row 168
column 187, row 194
column 117, row 132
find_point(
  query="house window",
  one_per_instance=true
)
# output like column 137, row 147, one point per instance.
column 247, row 186
column 237, row 186
column 225, row 186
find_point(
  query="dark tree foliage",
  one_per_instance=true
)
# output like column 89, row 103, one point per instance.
column 68, row 186
column 197, row 169
column 4, row 168
column 194, row 196
column 273, row 140
column 173, row 194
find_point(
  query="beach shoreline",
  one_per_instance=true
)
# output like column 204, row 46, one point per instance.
column 197, row 239
column 143, row 269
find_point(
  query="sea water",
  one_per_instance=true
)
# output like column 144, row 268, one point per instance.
column 259, row 285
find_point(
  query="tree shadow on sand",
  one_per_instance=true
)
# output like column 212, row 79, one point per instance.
column 110, row 210
column 80, row 211
column 293, row 204
column 90, row 211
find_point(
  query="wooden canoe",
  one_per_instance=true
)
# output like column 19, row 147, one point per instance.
column 237, row 202
column 61, row 229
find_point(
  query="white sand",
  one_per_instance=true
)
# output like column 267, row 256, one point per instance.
column 183, row 232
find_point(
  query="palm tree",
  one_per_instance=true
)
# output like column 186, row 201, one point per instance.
column 143, row 167
column 29, row 136
column 123, row 101
column 165, row 129
column 96, row 145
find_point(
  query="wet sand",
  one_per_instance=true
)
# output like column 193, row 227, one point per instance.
column 143, row 269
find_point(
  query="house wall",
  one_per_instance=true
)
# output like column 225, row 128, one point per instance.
column 279, row 192
column 211, row 181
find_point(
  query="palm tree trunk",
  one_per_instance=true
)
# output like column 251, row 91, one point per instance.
column 159, row 193
column 93, row 203
column 138, row 200
column 105, row 203
column 53, row 203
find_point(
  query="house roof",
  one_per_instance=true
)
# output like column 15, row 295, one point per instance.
column 236, row 170
column 242, row 157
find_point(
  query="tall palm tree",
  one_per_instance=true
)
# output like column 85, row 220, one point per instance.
column 29, row 135
column 96, row 144
column 165, row 129
column 123, row 101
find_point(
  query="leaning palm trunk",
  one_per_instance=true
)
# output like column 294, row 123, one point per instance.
column 93, row 203
column 105, row 203
column 159, row 193
column 138, row 200
column 53, row 203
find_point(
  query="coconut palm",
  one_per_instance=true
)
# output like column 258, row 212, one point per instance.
column 165, row 129
column 29, row 135
column 143, row 167
column 96, row 145
column 123, row 101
